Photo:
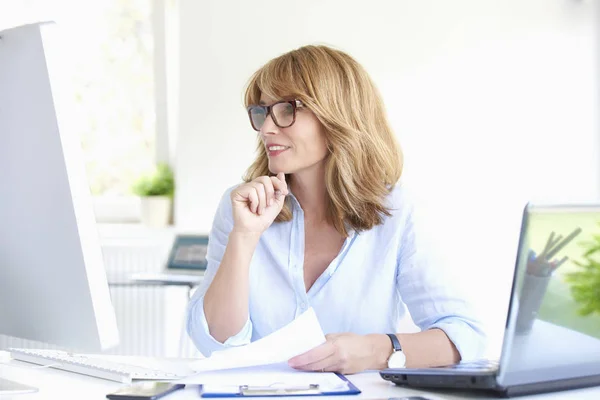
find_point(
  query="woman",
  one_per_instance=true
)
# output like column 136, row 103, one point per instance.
column 321, row 221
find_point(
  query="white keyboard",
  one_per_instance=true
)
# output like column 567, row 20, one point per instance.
column 90, row 365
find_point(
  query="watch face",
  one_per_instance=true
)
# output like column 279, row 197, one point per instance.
column 397, row 360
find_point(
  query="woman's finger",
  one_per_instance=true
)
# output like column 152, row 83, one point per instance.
column 279, row 185
column 269, row 189
column 315, row 355
column 328, row 364
column 281, row 177
column 262, row 197
column 253, row 198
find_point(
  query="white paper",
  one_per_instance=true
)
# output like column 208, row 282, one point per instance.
column 299, row 336
column 274, row 375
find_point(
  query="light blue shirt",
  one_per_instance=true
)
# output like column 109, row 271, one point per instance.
column 364, row 290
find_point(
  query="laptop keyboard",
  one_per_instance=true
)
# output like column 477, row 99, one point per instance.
column 478, row 365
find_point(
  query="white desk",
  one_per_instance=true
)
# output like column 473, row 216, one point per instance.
column 54, row 384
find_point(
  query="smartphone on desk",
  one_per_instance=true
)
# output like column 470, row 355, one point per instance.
column 146, row 390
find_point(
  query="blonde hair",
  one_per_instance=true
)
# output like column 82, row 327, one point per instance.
column 365, row 160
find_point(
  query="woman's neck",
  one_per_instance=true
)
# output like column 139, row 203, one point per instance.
column 309, row 189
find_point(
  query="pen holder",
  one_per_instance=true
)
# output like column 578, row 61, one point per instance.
column 532, row 295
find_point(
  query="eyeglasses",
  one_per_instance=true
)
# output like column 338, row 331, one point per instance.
column 283, row 113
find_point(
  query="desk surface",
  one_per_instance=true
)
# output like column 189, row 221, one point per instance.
column 54, row 384
column 154, row 279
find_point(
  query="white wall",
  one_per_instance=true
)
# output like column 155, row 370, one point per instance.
column 494, row 102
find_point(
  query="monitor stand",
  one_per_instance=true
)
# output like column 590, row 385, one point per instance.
column 8, row 388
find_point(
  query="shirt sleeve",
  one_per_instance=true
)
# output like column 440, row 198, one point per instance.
column 430, row 297
column 197, row 326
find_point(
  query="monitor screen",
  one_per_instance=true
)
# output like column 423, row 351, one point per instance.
column 53, row 286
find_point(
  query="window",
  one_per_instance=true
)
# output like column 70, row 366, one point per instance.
column 114, row 86
column 114, row 62
column 114, row 91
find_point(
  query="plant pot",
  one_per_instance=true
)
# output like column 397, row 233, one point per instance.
column 155, row 211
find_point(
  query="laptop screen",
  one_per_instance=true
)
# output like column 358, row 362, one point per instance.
column 554, row 322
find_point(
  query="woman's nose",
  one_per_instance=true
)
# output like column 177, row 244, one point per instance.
column 269, row 127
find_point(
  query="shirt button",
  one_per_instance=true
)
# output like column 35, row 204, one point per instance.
column 303, row 306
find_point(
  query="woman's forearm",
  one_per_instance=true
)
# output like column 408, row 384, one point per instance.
column 226, row 300
column 430, row 348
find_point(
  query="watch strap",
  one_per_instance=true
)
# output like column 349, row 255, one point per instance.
column 395, row 342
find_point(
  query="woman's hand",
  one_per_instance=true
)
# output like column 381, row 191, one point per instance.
column 346, row 353
column 256, row 204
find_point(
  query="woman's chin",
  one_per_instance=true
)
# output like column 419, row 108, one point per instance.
column 277, row 169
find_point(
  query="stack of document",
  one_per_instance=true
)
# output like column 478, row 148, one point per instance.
column 273, row 376
column 299, row 336
column 263, row 364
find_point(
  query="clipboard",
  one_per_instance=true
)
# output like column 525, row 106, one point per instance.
column 289, row 391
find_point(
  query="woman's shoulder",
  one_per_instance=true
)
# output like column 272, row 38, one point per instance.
column 393, row 227
column 399, row 200
column 227, row 193
column 224, row 207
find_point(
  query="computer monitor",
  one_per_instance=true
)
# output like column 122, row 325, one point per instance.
column 53, row 286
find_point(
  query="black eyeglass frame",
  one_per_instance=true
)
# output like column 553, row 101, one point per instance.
column 295, row 105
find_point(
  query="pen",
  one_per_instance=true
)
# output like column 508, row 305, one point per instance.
column 552, row 252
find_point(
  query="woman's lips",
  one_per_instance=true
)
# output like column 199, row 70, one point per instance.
column 275, row 150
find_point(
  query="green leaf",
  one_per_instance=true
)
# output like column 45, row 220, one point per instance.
column 585, row 281
column 160, row 183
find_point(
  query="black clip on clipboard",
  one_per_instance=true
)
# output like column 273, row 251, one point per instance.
column 283, row 391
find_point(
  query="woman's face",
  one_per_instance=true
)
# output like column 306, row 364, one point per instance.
column 296, row 148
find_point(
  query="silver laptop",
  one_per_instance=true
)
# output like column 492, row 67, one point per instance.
column 552, row 335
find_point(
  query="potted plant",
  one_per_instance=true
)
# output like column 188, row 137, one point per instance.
column 156, row 192
column 585, row 280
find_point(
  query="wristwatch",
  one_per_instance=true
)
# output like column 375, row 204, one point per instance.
column 397, row 359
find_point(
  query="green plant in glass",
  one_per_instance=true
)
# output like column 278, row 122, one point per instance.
column 585, row 281
column 160, row 183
